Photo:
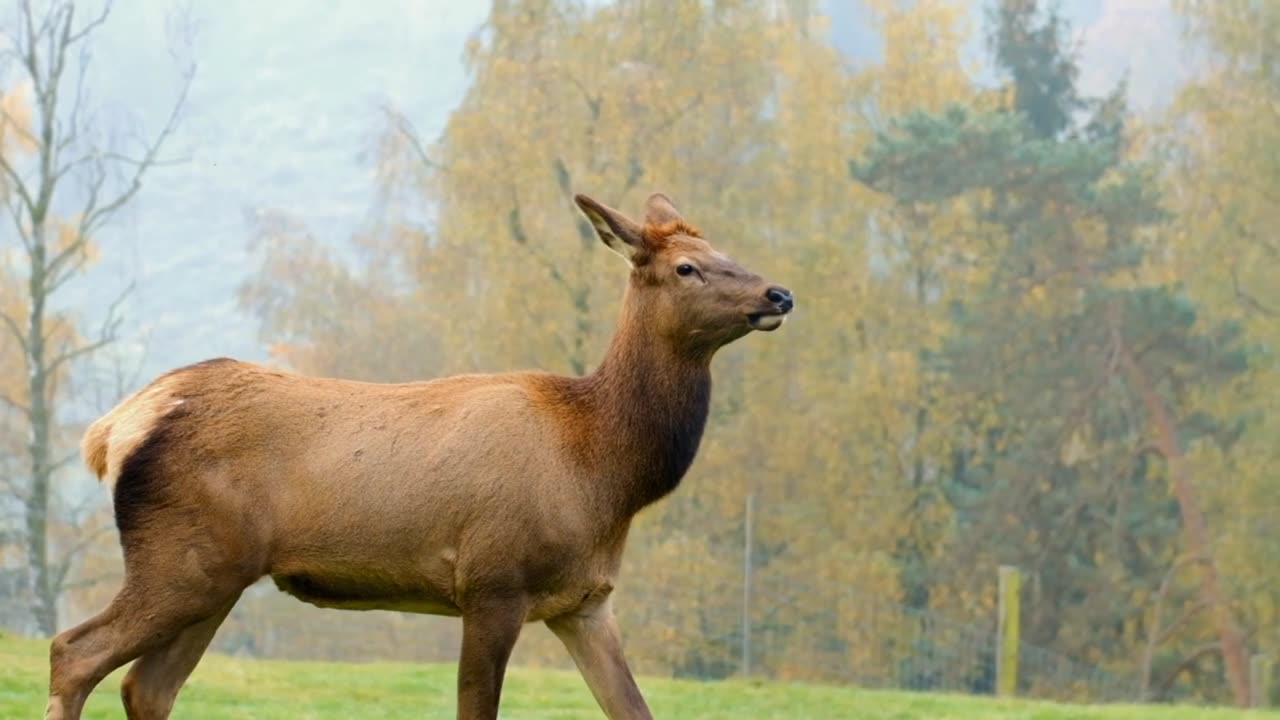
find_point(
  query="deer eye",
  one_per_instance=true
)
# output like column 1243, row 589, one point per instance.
column 684, row 269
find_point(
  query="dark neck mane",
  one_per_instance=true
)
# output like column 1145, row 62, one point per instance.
column 645, row 408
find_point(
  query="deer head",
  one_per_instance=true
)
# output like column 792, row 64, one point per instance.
column 694, row 296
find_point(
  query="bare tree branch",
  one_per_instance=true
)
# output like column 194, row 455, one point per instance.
column 1188, row 662
column 58, row 46
column 72, row 134
column 406, row 130
column 14, row 490
column 65, row 460
column 1248, row 299
column 106, row 335
column 79, row 351
column 16, row 331
column 47, row 41
column 19, row 186
column 55, row 270
column 155, row 162
column 671, row 119
column 93, row 216
column 593, row 102
column 28, row 46
column 69, row 556
column 516, row 227
column 14, row 206
column 65, row 169
column 92, row 25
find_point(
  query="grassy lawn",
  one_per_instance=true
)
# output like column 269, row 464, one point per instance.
column 226, row 688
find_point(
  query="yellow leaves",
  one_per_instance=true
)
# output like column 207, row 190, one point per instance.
column 1037, row 294
column 1225, row 123
column 15, row 120
column 748, row 124
column 1162, row 274
column 60, row 336
column 16, row 137
column 1223, row 193
column 13, row 315
column 923, row 65
column 1076, row 449
column 568, row 105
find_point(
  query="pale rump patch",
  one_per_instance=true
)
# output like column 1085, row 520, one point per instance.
column 118, row 433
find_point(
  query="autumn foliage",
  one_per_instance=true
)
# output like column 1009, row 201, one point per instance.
column 1009, row 294
column 1034, row 329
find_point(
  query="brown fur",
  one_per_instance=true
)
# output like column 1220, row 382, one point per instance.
column 502, row 498
column 657, row 234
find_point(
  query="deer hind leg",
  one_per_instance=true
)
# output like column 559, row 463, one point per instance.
column 133, row 624
column 152, row 684
column 165, row 592
column 489, row 633
column 591, row 636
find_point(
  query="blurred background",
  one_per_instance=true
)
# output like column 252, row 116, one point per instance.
column 1028, row 241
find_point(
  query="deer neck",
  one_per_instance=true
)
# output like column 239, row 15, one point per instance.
column 651, row 403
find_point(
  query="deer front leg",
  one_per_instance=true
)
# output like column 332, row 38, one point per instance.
column 592, row 638
column 489, row 632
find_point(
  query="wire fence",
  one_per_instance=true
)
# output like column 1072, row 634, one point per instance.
column 752, row 622
column 717, row 617
column 895, row 647
column 833, row 632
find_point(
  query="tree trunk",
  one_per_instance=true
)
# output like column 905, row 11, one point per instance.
column 44, row 606
column 1235, row 658
column 63, row 142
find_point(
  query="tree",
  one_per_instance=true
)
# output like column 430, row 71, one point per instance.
column 1079, row 349
column 922, row 270
column 743, row 143
column 1031, row 47
column 1223, row 133
column 991, row 322
column 63, row 186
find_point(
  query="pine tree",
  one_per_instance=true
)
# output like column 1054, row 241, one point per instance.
column 1077, row 354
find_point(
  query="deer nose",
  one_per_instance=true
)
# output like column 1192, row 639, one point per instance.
column 781, row 297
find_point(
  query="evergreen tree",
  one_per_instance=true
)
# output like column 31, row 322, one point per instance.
column 1077, row 352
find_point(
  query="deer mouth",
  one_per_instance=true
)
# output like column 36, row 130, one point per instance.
column 766, row 321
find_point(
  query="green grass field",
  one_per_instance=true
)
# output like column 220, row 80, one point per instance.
column 226, row 688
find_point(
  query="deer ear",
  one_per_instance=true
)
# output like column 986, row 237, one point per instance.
column 659, row 210
column 619, row 232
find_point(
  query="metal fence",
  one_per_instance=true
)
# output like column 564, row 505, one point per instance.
column 750, row 623
column 741, row 621
column 895, row 647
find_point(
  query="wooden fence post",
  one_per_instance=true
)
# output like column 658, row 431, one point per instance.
column 1260, row 681
column 1007, row 632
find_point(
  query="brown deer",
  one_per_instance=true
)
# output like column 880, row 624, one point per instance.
column 503, row 498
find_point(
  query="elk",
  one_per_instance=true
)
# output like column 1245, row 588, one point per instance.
column 501, row 498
